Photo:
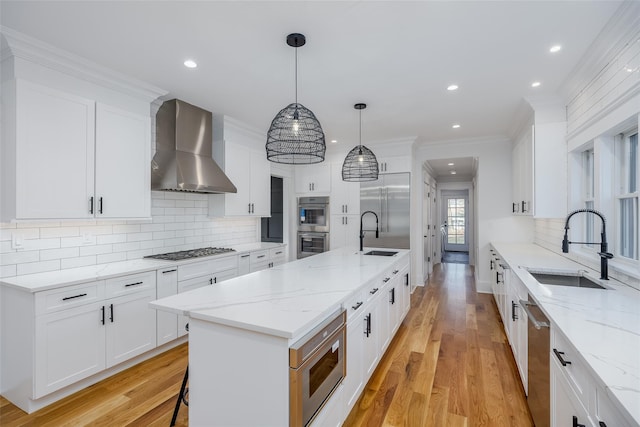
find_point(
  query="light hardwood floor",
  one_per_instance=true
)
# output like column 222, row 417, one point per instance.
column 449, row 365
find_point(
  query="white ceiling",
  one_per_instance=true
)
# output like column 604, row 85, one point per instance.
column 465, row 168
column 398, row 57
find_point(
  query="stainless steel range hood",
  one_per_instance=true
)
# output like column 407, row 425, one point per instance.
column 183, row 160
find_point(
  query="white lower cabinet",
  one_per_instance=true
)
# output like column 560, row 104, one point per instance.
column 69, row 346
column 566, row 408
column 86, row 337
column 166, row 323
column 332, row 414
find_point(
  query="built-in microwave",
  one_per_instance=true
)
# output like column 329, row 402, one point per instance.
column 313, row 214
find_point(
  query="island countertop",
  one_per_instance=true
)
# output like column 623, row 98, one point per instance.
column 287, row 300
column 603, row 325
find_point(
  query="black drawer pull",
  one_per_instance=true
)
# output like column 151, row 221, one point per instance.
column 261, row 256
column 91, row 205
column 393, row 296
column 575, row 419
column 278, row 253
column 373, row 291
column 386, row 279
column 560, row 358
column 111, row 313
column 133, row 284
column 395, row 271
column 244, row 256
column 100, row 205
column 169, row 271
column 601, row 424
column 357, row 306
column 102, row 309
column 75, row 296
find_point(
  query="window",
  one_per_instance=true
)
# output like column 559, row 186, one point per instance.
column 588, row 186
column 626, row 194
column 456, row 221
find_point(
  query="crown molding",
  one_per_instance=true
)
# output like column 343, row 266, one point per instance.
column 423, row 145
column 16, row 44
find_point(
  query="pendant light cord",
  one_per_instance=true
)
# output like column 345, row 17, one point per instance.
column 296, row 75
column 360, row 131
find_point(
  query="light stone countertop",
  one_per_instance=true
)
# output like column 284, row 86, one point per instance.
column 287, row 300
column 603, row 325
column 39, row 282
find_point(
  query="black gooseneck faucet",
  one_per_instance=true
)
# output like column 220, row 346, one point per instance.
column 604, row 255
column 362, row 231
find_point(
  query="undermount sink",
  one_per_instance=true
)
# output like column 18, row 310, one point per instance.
column 381, row 253
column 575, row 280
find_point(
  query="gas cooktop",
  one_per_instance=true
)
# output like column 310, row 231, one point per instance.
column 193, row 253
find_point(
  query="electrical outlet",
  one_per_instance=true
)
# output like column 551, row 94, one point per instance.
column 17, row 241
column 87, row 239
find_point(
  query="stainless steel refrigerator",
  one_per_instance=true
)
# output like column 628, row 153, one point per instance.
column 389, row 198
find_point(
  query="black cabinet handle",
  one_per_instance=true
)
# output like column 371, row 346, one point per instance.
column 601, row 424
column 523, row 205
column 215, row 280
column 261, row 256
column 560, row 358
column 513, row 207
column 102, row 309
column 169, row 271
column 133, row 284
column 386, row 279
column 395, row 271
column 91, row 205
column 373, row 291
column 75, row 296
column 514, row 316
column 575, row 422
column 111, row 313
column 100, row 205
column 244, row 256
column 211, row 280
column 393, row 296
column 406, row 279
column 498, row 274
column 367, row 322
column 357, row 306
column 278, row 253
column 490, row 264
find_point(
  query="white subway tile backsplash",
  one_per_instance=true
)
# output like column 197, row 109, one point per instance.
column 39, row 267
column 179, row 221
column 50, row 254
column 51, row 232
column 78, row 262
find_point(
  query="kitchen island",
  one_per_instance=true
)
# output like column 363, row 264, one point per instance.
column 240, row 331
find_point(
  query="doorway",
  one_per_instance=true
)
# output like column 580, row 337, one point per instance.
column 455, row 226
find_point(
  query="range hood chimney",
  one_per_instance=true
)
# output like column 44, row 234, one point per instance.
column 183, row 159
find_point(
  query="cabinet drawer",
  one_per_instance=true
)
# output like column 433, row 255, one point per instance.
column 258, row 257
column 196, row 269
column 277, row 255
column 356, row 303
column 221, row 276
column 574, row 368
column 226, row 263
column 68, row 297
column 130, row 284
column 373, row 289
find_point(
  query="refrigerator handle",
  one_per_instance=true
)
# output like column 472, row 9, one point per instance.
column 380, row 211
column 385, row 216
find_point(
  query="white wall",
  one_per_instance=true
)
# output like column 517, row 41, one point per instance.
column 494, row 219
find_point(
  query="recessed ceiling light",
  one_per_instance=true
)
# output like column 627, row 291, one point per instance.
column 535, row 84
column 452, row 87
column 453, row 172
column 555, row 48
column 449, row 164
column 334, row 141
column 190, row 63
column 456, row 126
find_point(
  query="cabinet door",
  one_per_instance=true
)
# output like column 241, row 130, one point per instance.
column 69, row 346
column 166, row 323
column 406, row 291
column 565, row 405
column 236, row 167
column 123, row 144
column 260, row 184
column 345, row 196
column 131, row 326
column 370, row 347
column 394, row 164
column 345, row 230
column 314, row 179
column 354, row 381
column 244, row 264
column 54, row 153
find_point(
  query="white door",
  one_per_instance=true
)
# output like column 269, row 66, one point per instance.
column 426, row 232
column 456, row 218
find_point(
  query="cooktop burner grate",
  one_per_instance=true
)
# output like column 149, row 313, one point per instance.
column 193, row 253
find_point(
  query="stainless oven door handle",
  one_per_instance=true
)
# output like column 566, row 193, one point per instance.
column 536, row 323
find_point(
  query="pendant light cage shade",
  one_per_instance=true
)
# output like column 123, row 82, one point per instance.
column 360, row 165
column 295, row 137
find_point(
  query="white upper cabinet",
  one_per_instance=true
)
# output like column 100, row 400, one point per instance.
column 539, row 165
column 241, row 155
column 123, row 177
column 313, row 179
column 345, row 196
column 74, row 158
column 394, row 164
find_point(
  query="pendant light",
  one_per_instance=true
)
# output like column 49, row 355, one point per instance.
column 360, row 164
column 295, row 135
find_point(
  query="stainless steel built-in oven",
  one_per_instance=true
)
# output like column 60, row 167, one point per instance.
column 313, row 214
column 317, row 365
column 312, row 243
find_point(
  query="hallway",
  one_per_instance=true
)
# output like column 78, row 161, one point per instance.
column 449, row 365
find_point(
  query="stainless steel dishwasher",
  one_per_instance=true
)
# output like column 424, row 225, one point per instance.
column 538, row 349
